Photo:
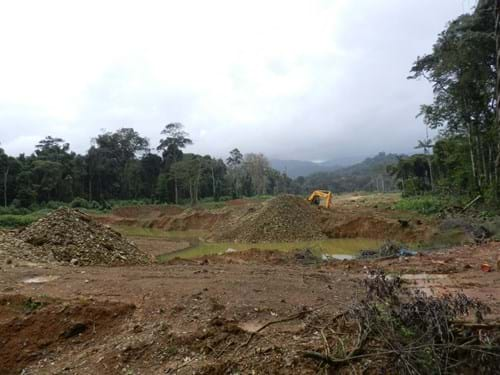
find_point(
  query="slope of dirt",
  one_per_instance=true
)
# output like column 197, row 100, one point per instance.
column 146, row 211
column 191, row 219
column 166, row 218
column 72, row 236
column 35, row 330
column 285, row 218
column 373, row 217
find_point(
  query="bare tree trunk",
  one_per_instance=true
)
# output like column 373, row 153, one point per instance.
column 431, row 176
column 213, row 182
column 497, row 37
column 472, row 158
column 482, row 157
column 5, row 176
column 191, row 192
column 176, row 191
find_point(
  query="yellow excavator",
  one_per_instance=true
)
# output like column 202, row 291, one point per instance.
column 321, row 198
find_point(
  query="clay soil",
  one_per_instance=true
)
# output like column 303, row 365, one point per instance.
column 201, row 316
column 251, row 312
column 352, row 216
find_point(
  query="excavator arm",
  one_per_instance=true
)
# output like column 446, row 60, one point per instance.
column 317, row 196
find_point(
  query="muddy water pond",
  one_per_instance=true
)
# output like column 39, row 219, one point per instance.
column 339, row 248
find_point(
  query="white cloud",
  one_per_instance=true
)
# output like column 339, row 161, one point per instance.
column 305, row 79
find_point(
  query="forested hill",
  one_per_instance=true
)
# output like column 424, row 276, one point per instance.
column 369, row 175
column 296, row 168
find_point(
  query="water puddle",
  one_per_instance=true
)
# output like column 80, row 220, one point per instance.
column 40, row 279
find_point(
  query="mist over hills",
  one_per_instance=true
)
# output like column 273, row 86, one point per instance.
column 296, row 168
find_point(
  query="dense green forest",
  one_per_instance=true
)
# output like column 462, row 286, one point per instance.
column 121, row 165
column 463, row 160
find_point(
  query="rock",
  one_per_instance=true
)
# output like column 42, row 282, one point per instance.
column 74, row 262
column 485, row 267
column 230, row 250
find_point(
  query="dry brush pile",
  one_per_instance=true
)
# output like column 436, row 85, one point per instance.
column 409, row 332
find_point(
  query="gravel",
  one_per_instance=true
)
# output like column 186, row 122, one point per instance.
column 71, row 236
column 285, row 218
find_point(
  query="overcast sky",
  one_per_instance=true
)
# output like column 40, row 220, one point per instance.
column 308, row 79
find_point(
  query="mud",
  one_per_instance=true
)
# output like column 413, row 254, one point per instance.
column 198, row 316
column 243, row 312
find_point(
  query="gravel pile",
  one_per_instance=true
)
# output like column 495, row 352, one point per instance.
column 286, row 218
column 13, row 250
column 73, row 237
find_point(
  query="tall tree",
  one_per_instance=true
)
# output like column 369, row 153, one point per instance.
column 4, row 168
column 256, row 166
column 108, row 159
column 175, row 140
column 462, row 69
column 497, row 64
column 235, row 175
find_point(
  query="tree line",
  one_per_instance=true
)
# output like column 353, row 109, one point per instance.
column 121, row 165
column 464, row 158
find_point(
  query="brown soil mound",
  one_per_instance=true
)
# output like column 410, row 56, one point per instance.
column 190, row 220
column 36, row 329
column 285, row 218
column 72, row 236
column 374, row 227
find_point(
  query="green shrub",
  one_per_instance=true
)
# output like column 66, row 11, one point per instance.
column 80, row 203
column 426, row 204
column 14, row 211
column 16, row 221
column 53, row 205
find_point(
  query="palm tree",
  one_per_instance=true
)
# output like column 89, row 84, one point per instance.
column 427, row 145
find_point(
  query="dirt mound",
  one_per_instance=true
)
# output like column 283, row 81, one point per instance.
column 285, row 218
column 190, row 220
column 72, row 236
column 37, row 328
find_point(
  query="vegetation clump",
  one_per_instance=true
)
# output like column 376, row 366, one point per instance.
column 410, row 332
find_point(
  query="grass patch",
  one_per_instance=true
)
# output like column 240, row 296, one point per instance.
column 332, row 246
column 17, row 221
column 426, row 204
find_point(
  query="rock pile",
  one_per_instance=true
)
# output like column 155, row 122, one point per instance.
column 285, row 218
column 72, row 236
column 13, row 249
